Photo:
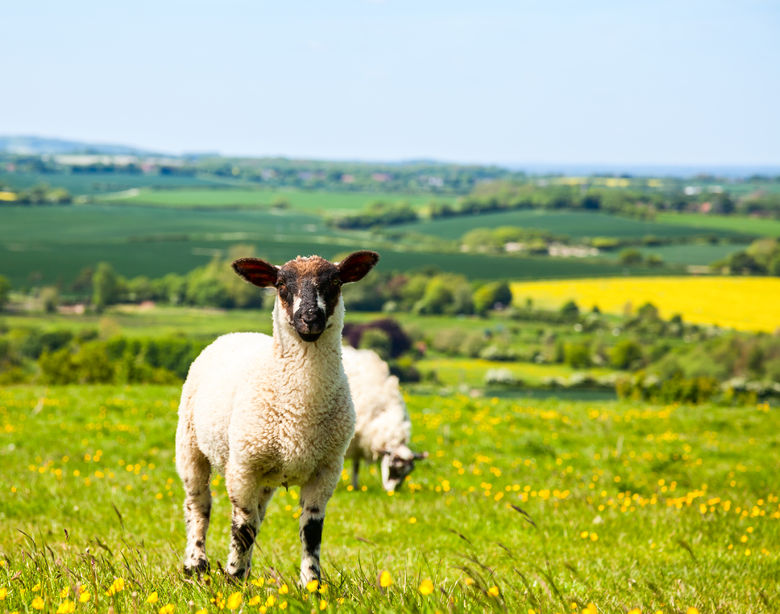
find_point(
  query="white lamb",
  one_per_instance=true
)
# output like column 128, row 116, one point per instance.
column 383, row 428
column 270, row 411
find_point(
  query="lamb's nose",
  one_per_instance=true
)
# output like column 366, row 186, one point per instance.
column 309, row 316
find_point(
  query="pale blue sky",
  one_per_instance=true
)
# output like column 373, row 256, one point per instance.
column 654, row 82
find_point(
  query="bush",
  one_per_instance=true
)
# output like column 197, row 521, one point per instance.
column 576, row 355
column 625, row 354
column 377, row 340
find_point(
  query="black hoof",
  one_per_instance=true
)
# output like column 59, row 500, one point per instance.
column 202, row 566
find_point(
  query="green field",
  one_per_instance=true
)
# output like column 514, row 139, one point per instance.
column 575, row 224
column 304, row 200
column 47, row 245
column 735, row 223
column 100, row 183
column 470, row 372
column 692, row 253
column 615, row 504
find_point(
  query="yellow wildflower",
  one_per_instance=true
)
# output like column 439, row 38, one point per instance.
column 64, row 592
column 168, row 608
column 37, row 603
column 493, row 591
column 66, row 607
column 635, row 611
column 152, row 598
column 117, row 586
column 385, row 579
column 310, row 586
column 269, row 603
column 692, row 610
column 283, row 589
column 254, row 600
column 36, row 588
column 3, row 593
column 259, row 582
column 283, row 605
column 323, row 604
column 234, row 601
column 84, row 597
column 426, row 587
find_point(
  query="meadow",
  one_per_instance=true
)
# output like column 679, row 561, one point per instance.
column 319, row 201
column 736, row 223
column 88, row 184
column 741, row 303
column 523, row 506
column 577, row 224
column 52, row 244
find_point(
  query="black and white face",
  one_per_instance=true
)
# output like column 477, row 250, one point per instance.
column 309, row 288
column 396, row 465
column 394, row 470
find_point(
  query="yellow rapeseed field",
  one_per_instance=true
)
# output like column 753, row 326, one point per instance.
column 742, row 303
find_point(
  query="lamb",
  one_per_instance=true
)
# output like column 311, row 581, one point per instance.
column 270, row 411
column 383, row 428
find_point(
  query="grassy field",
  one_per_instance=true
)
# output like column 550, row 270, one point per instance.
column 79, row 184
column 692, row 253
column 304, row 200
column 742, row 303
column 470, row 372
column 46, row 245
column 736, row 223
column 543, row 506
column 572, row 223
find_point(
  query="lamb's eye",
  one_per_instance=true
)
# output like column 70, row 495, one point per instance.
column 335, row 282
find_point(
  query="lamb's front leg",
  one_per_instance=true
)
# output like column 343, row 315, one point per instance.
column 249, row 502
column 315, row 495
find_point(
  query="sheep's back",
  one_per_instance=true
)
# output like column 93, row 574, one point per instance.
column 382, row 421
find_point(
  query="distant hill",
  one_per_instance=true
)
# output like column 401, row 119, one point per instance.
column 36, row 145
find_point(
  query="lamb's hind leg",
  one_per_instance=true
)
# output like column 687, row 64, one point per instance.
column 195, row 472
column 315, row 495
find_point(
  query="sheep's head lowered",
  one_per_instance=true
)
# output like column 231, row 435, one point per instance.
column 397, row 464
column 309, row 288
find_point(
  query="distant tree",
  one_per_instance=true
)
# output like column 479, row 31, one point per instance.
column 105, row 286
column 488, row 296
column 570, row 311
column 50, row 298
column 625, row 354
column 630, row 257
column 5, row 291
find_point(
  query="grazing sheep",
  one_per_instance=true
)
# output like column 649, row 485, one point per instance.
column 383, row 428
column 270, row 411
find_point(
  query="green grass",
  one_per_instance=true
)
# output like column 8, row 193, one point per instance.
column 51, row 245
column 692, row 253
column 734, row 223
column 617, row 504
column 304, row 200
column 571, row 223
column 470, row 372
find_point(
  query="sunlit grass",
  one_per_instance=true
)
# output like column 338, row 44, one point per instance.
column 522, row 505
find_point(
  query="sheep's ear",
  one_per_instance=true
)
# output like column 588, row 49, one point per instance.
column 355, row 266
column 420, row 455
column 256, row 271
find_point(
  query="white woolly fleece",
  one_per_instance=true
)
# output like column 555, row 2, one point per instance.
column 278, row 404
column 383, row 423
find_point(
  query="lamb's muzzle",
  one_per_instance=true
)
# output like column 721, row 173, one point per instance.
column 270, row 411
